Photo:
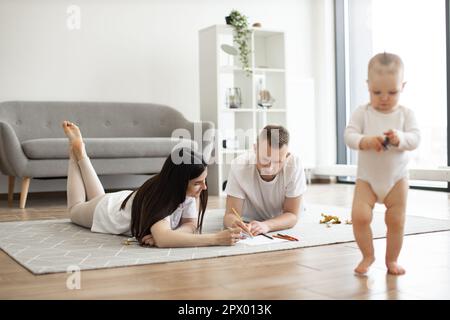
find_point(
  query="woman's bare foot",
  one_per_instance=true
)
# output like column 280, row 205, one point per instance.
column 364, row 265
column 394, row 268
column 71, row 130
column 75, row 139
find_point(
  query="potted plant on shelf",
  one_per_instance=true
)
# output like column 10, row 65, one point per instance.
column 241, row 37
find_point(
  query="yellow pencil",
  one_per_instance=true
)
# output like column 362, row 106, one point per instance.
column 240, row 218
column 235, row 212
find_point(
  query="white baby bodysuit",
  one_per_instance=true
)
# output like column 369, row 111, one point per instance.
column 382, row 169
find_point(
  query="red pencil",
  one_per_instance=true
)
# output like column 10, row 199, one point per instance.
column 285, row 236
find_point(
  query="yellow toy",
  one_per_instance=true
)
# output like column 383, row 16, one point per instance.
column 129, row 241
column 330, row 219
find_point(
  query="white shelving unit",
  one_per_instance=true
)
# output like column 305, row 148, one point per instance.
column 220, row 71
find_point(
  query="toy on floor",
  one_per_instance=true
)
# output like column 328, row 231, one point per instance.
column 129, row 241
column 329, row 219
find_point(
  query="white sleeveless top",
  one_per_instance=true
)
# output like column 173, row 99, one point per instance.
column 108, row 218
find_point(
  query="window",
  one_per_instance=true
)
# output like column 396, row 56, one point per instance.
column 415, row 30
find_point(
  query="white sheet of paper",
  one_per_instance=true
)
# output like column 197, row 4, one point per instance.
column 260, row 240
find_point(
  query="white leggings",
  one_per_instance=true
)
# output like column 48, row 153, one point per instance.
column 82, row 180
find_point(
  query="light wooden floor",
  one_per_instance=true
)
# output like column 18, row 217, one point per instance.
column 308, row 273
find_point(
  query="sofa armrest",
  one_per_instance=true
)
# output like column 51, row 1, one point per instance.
column 12, row 158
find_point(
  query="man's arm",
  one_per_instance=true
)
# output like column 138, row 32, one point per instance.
column 286, row 220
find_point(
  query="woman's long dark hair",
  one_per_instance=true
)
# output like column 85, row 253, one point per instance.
column 160, row 195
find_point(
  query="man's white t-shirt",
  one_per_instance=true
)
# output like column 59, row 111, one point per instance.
column 264, row 199
column 108, row 218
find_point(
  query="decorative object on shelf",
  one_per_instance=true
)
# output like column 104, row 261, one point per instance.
column 241, row 37
column 234, row 98
column 256, row 25
column 230, row 50
column 265, row 99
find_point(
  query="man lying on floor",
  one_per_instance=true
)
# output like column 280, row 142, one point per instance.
column 265, row 186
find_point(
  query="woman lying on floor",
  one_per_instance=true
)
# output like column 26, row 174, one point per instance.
column 162, row 212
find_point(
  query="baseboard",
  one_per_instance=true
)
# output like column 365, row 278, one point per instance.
column 323, row 180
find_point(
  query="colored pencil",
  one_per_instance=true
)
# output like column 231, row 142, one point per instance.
column 267, row 236
column 240, row 218
column 285, row 236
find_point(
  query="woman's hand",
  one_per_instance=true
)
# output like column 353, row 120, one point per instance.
column 259, row 227
column 228, row 237
column 148, row 241
column 243, row 226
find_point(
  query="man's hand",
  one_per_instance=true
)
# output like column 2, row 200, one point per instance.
column 258, row 227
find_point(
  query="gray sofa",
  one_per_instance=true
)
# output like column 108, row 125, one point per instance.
column 120, row 138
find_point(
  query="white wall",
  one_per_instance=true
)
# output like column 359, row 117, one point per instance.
column 140, row 50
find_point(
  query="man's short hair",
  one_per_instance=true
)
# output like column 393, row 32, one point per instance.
column 275, row 135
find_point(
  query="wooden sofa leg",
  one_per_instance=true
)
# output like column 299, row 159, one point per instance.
column 24, row 192
column 11, row 181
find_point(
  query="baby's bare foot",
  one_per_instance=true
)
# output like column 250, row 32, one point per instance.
column 364, row 265
column 394, row 268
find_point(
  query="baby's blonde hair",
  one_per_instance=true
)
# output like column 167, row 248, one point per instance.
column 385, row 63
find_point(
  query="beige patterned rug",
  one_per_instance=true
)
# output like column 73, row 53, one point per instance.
column 49, row 246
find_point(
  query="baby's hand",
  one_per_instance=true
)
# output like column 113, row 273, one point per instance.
column 372, row 143
column 393, row 137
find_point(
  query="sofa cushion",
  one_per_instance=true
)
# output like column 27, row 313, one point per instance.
column 103, row 148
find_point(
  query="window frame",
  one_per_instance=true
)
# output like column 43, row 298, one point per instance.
column 341, row 61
